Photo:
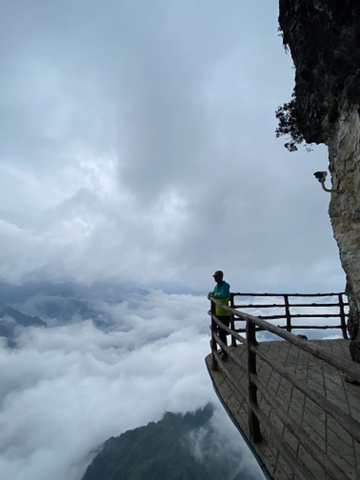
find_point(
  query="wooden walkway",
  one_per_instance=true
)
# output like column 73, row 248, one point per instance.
column 230, row 381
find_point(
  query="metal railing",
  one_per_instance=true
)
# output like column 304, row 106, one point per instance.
column 257, row 420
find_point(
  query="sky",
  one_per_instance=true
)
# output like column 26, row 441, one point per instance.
column 137, row 144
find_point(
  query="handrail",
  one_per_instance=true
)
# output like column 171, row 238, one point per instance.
column 336, row 361
column 288, row 305
column 267, row 294
column 254, row 324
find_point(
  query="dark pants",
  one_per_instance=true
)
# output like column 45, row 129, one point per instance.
column 225, row 319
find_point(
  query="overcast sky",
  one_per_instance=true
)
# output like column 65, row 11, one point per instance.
column 137, row 143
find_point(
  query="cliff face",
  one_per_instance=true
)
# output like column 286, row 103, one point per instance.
column 324, row 40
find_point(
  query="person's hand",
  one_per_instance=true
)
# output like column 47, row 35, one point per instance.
column 210, row 294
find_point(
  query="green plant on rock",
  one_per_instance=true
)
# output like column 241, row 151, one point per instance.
column 288, row 125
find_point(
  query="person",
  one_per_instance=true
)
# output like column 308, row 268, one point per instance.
column 222, row 293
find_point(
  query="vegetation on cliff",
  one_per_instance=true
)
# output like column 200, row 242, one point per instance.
column 323, row 37
column 176, row 448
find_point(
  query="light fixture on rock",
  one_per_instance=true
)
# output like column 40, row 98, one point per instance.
column 321, row 176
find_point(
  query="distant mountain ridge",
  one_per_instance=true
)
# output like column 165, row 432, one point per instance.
column 36, row 304
column 21, row 318
column 175, row 448
column 10, row 319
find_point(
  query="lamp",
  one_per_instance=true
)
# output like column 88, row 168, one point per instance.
column 321, row 176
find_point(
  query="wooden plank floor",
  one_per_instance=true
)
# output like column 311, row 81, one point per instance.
column 321, row 427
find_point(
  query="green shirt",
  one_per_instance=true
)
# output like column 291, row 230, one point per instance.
column 222, row 293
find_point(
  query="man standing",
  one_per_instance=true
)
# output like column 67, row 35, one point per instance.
column 221, row 292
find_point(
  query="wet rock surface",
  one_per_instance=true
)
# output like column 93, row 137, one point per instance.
column 324, row 39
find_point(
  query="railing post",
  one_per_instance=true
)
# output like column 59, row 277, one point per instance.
column 342, row 316
column 232, row 321
column 287, row 313
column 254, row 426
column 214, row 365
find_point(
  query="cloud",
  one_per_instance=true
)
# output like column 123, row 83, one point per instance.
column 137, row 145
column 66, row 389
column 219, row 442
column 139, row 140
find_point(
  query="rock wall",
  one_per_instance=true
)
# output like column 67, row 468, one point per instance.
column 344, row 210
column 324, row 40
